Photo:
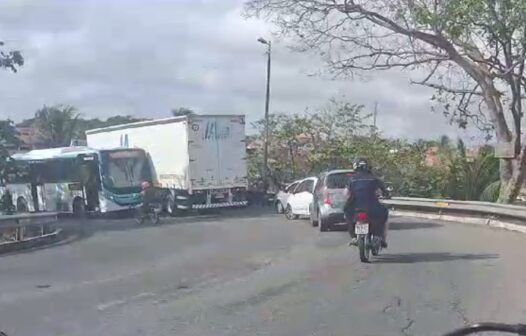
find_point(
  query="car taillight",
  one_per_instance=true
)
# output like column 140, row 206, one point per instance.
column 327, row 198
column 361, row 216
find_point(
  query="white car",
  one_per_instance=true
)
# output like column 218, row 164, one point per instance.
column 283, row 196
column 298, row 203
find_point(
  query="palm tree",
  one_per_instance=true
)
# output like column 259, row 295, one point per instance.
column 57, row 125
column 473, row 175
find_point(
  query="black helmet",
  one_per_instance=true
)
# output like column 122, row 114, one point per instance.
column 361, row 165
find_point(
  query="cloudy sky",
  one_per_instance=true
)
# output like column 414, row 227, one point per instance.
column 143, row 58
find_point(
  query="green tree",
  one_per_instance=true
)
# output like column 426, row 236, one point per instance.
column 8, row 138
column 473, row 52
column 9, row 60
column 311, row 142
column 87, row 124
column 57, row 125
column 471, row 175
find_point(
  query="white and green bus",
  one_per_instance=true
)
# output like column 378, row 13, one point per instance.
column 77, row 179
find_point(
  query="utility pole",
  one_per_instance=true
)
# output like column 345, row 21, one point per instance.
column 267, row 102
column 375, row 113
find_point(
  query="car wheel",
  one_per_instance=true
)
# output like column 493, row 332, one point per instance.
column 289, row 214
column 313, row 219
column 279, row 208
column 322, row 223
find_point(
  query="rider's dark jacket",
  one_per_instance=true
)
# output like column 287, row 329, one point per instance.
column 363, row 187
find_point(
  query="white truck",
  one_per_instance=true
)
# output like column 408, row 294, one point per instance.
column 199, row 159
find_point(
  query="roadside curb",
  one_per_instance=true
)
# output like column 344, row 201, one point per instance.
column 484, row 221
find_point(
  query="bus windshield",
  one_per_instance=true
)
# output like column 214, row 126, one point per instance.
column 124, row 170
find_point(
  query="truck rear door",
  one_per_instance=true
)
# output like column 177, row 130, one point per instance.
column 217, row 151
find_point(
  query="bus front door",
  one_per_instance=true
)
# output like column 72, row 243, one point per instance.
column 91, row 182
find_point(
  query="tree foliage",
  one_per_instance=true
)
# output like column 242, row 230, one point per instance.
column 471, row 52
column 57, row 124
column 8, row 139
column 10, row 60
column 72, row 129
column 182, row 111
column 309, row 142
column 332, row 137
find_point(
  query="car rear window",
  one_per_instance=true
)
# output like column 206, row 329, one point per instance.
column 338, row 180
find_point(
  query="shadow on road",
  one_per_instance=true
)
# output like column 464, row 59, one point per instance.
column 395, row 226
column 75, row 231
column 212, row 215
column 411, row 258
column 413, row 226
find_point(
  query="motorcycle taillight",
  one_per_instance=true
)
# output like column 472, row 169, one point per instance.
column 361, row 216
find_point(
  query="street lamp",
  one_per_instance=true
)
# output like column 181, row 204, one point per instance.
column 267, row 99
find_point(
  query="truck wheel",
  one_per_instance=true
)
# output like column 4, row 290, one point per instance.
column 169, row 205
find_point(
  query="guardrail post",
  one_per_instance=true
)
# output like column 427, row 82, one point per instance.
column 19, row 234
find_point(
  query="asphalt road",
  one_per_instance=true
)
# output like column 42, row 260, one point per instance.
column 250, row 274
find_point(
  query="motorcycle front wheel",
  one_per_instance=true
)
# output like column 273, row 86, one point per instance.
column 154, row 217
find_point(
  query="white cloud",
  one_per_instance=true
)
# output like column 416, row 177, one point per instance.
column 144, row 58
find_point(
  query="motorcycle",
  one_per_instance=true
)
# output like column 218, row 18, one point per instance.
column 151, row 215
column 368, row 242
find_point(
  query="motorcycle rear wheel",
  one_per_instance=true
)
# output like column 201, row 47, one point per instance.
column 364, row 249
column 375, row 246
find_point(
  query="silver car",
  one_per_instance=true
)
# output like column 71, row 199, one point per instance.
column 329, row 198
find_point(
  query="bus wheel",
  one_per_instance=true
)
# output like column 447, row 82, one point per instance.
column 21, row 205
column 79, row 209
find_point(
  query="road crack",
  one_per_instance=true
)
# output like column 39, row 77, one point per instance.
column 403, row 313
column 455, row 306
column 396, row 302
column 408, row 326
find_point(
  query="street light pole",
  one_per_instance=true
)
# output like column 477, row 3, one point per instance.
column 267, row 102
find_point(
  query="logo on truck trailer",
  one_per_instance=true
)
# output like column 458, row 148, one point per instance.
column 213, row 132
column 124, row 141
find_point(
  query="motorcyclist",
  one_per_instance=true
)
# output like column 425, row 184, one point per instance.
column 362, row 194
column 148, row 196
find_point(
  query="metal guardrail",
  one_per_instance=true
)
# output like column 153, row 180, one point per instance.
column 507, row 216
column 21, row 222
